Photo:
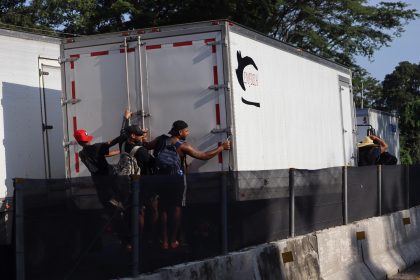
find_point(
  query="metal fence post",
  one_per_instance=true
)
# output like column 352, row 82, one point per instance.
column 292, row 202
column 19, row 231
column 407, row 185
column 345, row 197
column 223, row 208
column 135, row 186
column 379, row 182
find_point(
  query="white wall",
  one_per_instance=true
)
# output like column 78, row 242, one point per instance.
column 21, row 149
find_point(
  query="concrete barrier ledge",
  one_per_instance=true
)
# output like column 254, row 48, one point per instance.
column 374, row 248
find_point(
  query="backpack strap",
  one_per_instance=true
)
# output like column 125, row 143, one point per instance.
column 160, row 145
column 178, row 144
column 133, row 150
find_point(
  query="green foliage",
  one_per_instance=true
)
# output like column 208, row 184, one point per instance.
column 401, row 93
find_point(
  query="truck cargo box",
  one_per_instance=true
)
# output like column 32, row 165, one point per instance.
column 31, row 126
column 281, row 106
column 385, row 125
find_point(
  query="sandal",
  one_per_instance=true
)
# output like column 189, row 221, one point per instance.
column 164, row 245
column 174, row 244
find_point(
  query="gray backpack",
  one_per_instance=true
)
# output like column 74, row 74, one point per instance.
column 127, row 165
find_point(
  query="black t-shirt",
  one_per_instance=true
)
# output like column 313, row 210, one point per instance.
column 369, row 155
column 93, row 156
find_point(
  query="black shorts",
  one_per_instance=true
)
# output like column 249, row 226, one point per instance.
column 171, row 195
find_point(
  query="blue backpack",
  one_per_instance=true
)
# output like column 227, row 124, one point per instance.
column 167, row 160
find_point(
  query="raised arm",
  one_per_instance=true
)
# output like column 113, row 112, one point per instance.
column 125, row 122
column 382, row 144
column 188, row 149
column 152, row 144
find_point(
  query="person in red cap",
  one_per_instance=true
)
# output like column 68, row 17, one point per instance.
column 93, row 157
column 106, row 183
column 170, row 152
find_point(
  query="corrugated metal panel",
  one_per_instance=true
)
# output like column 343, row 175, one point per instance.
column 290, row 102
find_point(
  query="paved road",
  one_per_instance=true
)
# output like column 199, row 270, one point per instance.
column 413, row 273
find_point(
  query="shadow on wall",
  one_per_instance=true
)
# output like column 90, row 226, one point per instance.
column 23, row 135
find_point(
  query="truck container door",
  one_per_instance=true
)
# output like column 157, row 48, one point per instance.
column 184, row 82
column 347, row 121
column 97, row 94
column 51, row 117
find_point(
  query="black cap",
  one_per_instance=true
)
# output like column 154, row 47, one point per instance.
column 177, row 126
column 135, row 129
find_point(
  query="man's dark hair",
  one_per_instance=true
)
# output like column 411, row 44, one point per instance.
column 177, row 126
column 135, row 129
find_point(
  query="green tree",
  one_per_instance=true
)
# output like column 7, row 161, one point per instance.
column 401, row 92
column 13, row 12
column 338, row 30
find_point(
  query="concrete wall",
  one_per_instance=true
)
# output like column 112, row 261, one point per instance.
column 376, row 248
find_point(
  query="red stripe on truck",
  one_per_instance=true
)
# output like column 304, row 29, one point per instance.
column 215, row 76
column 73, row 89
column 128, row 50
column 99, row 53
column 181, row 44
column 209, row 40
column 72, row 62
column 217, row 114
column 153, row 47
column 74, row 124
column 76, row 162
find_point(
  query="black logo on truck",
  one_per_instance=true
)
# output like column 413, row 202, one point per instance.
column 242, row 63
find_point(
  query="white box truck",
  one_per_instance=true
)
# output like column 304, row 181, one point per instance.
column 31, row 126
column 385, row 125
column 282, row 107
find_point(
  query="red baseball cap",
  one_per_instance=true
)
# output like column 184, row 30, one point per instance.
column 81, row 136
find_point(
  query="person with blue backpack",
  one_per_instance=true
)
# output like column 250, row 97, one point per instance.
column 170, row 153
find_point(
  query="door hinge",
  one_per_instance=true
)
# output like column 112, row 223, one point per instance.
column 62, row 60
column 214, row 43
column 71, row 101
column 227, row 130
column 217, row 87
column 142, row 113
column 45, row 127
column 43, row 73
column 66, row 144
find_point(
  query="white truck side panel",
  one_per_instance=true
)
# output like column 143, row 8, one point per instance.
column 386, row 126
column 292, row 103
column 21, row 149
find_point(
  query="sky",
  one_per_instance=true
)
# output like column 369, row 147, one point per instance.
column 404, row 48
